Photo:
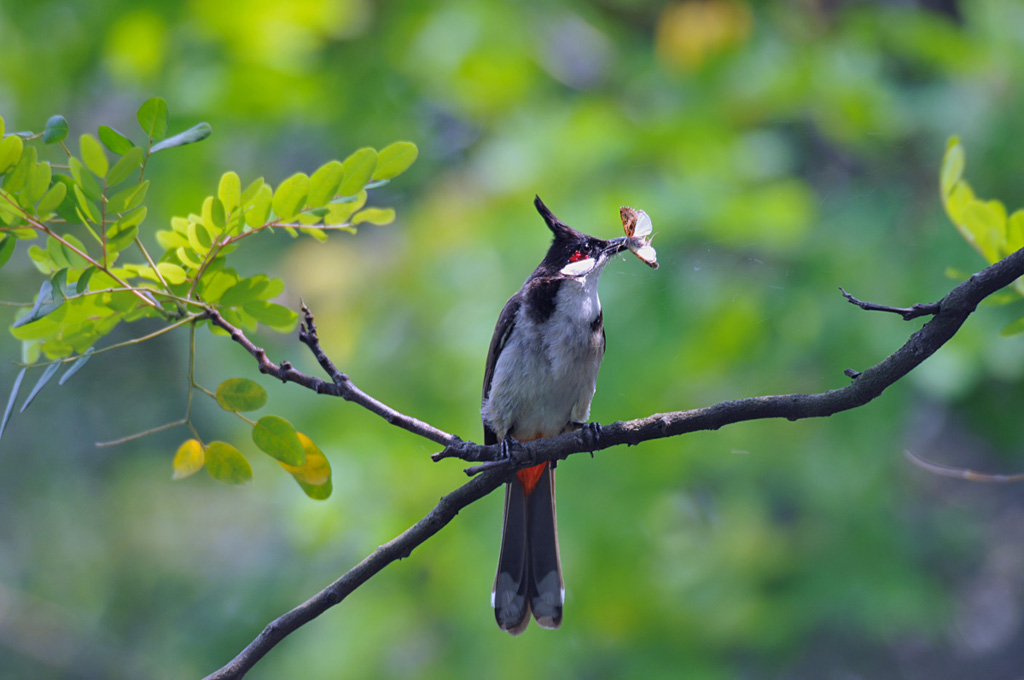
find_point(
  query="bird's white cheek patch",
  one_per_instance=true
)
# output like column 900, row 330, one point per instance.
column 579, row 268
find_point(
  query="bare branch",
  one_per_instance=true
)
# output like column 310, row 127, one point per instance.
column 948, row 315
column 962, row 473
column 341, row 385
column 908, row 313
column 399, row 547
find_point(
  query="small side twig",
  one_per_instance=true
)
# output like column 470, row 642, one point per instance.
column 961, row 473
column 908, row 313
column 309, row 337
column 340, row 386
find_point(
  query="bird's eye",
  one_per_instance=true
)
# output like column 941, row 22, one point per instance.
column 577, row 256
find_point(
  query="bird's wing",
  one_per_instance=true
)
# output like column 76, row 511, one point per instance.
column 502, row 331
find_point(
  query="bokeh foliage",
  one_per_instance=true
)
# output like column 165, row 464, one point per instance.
column 88, row 292
column 782, row 149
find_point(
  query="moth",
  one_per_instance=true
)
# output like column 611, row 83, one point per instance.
column 637, row 225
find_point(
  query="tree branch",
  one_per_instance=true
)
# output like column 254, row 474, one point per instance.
column 341, row 386
column 399, row 547
column 948, row 315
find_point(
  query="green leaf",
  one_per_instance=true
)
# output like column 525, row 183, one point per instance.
column 375, row 216
column 172, row 273
column 395, row 159
column 37, row 183
column 226, row 464
column 56, row 130
column 290, row 197
column 952, row 166
column 17, row 178
column 189, row 459
column 259, row 213
column 249, row 195
column 315, row 475
column 213, row 285
column 88, row 181
column 323, row 185
column 276, row 437
column 132, row 218
column 93, row 155
column 72, row 258
column 128, row 198
column 985, row 222
column 340, row 211
column 126, row 166
column 78, row 363
column 196, row 133
column 316, row 232
column 115, row 141
column 199, row 236
column 186, row 259
column 10, row 152
column 272, row 315
column 245, row 290
column 241, row 394
column 59, row 281
column 82, row 284
column 120, row 236
column 359, row 168
column 152, row 117
column 230, row 191
column 88, row 208
column 40, row 384
column 51, row 200
column 10, row 401
column 6, row 248
column 214, row 217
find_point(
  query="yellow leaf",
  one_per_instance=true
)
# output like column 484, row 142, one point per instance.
column 315, row 475
column 189, row 459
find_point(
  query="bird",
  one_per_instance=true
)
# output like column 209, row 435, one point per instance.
column 539, row 380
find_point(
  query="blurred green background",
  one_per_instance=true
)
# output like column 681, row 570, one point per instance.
column 782, row 149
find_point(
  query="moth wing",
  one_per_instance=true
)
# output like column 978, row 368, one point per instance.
column 643, row 224
column 647, row 254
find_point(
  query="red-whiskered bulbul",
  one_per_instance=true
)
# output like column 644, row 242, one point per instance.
column 539, row 381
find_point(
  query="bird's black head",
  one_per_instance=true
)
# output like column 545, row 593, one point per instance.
column 573, row 253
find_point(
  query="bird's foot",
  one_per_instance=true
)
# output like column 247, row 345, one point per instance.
column 511, row 451
column 591, row 434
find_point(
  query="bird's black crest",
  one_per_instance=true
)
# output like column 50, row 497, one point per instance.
column 567, row 240
column 560, row 229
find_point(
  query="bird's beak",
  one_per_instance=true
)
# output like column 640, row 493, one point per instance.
column 617, row 245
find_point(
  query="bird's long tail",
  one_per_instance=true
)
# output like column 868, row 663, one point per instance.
column 529, row 577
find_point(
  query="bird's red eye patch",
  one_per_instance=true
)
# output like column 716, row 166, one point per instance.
column 577, row 256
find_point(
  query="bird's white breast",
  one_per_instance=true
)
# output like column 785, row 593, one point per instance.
column 545, row 377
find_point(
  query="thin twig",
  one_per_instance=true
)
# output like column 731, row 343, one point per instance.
column 343, row 388
column 144, row 433
column 908, row 313
column 961, row 473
